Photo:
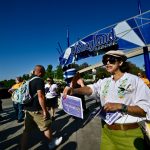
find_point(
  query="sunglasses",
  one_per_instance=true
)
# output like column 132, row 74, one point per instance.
column 111, row 59
column 48, row 80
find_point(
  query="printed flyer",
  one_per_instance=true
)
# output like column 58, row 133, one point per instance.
column 73, row 106
column 109, row 117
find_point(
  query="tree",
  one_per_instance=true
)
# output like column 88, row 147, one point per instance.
column 49, row 72
column 87, row 74
column 25, row 77
column 101, row 73
column 134, row 69
column 84, row 65
column 8, row 83
column 58, row 72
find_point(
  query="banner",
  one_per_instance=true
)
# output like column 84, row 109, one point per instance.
column 128, row 34
column 73, row 106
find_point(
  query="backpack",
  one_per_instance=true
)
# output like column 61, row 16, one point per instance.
column 22, row 95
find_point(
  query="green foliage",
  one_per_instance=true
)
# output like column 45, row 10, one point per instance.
column 8, row 83
column 87, row 74
column 58, row 73
column 76, row 66
column 82, row 66
column 134, row 69
column 25, row 77
column 101, row 73
column 49, row 72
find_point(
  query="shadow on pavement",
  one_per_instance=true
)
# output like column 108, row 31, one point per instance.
column 60, row 127
column 70, row 146
column 64, row 125
column 9, row 130
column 11, row 144
column 8, row 115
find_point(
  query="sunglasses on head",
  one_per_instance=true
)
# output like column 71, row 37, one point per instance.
column 111, row 59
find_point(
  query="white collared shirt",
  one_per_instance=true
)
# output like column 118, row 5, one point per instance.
column 129, row 90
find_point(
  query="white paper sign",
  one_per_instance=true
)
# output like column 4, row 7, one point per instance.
column 73, row 106
column 109, row 117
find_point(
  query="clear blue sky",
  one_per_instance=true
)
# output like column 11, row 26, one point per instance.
column 30, row 29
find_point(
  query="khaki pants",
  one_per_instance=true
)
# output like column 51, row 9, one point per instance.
column 35, row 120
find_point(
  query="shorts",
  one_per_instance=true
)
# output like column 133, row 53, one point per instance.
column 52, row 102
column 35, row 120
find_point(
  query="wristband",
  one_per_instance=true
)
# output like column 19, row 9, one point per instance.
column 124, row 108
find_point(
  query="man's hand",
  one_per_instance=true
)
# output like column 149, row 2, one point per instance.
column 46, row 115
column 41, row 99
column 112, row 107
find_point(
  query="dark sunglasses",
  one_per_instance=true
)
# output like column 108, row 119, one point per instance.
column 111, row 59
column 49, row 80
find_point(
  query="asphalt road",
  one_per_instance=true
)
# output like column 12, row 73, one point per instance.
column 77, row 134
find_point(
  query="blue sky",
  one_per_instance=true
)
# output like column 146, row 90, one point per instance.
column 30, row 29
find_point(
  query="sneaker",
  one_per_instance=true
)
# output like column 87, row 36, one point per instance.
column 55, row 142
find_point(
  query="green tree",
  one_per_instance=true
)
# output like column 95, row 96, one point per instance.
column 87, row 74
column 58, row 72
column 84, row 65
column 49, row 72
column 134, row 69
column 25, row 77
column 101, row 73
column 8, row 83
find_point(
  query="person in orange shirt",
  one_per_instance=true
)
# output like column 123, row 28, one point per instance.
column 143, row 77
column 18, row 107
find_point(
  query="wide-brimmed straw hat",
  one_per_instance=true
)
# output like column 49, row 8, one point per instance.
column 117, row 53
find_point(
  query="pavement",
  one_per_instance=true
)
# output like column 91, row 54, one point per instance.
column 78, row 134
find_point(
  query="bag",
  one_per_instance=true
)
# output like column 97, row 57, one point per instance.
column 22, row 95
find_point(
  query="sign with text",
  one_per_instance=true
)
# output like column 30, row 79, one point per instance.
column 128, row 34
column 73, row 106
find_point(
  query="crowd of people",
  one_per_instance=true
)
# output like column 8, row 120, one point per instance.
column 122, row 93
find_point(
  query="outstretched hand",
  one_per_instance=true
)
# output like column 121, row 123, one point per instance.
column 67, row 91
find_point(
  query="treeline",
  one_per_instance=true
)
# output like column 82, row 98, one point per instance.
column 58, row 73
